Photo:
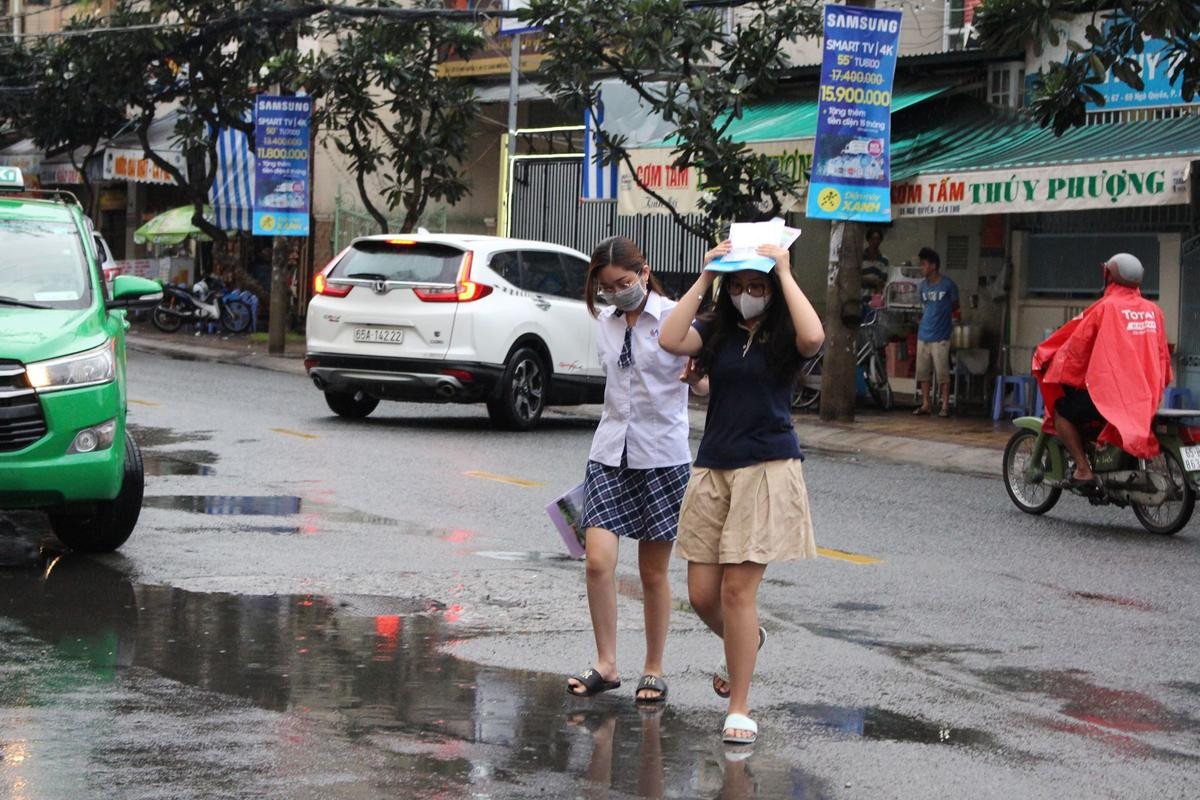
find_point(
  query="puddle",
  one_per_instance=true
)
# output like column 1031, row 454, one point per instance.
column 367, row 690
column 884, row 725
column 148, row 436
column 162, row 465
column 1114, row 709
column 1128, row 602
column 522, row 555
column 858, row 607
column 222, row 505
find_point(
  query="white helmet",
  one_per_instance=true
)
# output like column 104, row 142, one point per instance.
column 1125, row 269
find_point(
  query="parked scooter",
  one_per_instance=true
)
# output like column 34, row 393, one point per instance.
column 204, row 303
column 1161, row 490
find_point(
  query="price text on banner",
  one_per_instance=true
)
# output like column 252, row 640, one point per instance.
column 281, row 155
column 852, row 154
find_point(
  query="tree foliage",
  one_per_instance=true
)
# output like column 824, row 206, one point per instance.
column 689, row 65
column 1113, row 40
column 387, row 109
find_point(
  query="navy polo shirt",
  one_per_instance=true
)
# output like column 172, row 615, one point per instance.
column 749, row 417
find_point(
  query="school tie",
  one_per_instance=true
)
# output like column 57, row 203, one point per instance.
column 626, row 358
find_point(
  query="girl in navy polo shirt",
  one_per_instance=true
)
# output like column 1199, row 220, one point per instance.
column 639, row 462
column 746, row 504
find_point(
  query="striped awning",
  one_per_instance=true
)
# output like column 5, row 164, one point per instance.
column 232, row 192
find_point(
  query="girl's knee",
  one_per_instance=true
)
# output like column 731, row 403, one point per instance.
column 600, row 569
column 737, row 594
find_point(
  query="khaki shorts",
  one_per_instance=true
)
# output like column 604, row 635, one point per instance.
column 933, row 358
column 758, row 513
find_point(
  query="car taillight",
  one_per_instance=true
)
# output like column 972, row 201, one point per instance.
column 465, row 290
column 1189, row 434
column 321, row 285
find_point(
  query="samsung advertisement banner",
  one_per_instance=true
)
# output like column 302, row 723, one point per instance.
column 852, row 153
column 281, row 157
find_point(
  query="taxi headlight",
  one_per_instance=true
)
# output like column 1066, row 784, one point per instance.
column 89, row 368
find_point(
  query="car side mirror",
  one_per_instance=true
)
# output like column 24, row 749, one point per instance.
column 132, row 292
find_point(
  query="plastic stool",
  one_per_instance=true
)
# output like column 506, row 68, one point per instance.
column 1023, row 388
column 1177, row 397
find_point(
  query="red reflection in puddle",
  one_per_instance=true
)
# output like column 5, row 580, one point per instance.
column 1132, row 712
column 387, row 634
column 458, row 536
column 1128, row 602
column 452, row 613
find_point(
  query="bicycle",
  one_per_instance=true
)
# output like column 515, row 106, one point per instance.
column 871, row 339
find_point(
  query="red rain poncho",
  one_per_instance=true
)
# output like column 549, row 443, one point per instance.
column 1117, row 350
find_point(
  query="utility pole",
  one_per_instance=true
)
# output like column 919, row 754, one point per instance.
column 18, row 19
column 843, row 311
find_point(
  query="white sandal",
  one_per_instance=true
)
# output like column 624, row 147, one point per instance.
column 722, row 673
column 739, row 722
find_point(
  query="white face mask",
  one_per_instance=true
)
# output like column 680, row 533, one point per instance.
column 751, row 307
column 629, row 298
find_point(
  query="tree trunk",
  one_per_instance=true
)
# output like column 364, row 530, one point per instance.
column 843, row 308
column 277, row 322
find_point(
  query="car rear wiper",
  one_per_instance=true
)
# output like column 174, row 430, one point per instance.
column 368, row 276
column 12, row 301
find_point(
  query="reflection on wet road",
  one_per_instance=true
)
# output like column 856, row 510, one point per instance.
column 364, row 673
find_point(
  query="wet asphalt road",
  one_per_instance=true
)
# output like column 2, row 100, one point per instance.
column 318, row 608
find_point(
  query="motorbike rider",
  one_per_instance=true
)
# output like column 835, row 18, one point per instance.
column 1109, row 365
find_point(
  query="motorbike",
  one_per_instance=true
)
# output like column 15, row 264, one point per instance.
column 1160, row 490
column 806, row 390
column 206, row 302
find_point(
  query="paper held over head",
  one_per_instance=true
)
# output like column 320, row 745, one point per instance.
column 746, row 237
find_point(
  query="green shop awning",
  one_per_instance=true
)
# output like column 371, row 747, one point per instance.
column 797, row 118
column 981, row 161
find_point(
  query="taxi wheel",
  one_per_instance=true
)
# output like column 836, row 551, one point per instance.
column 104, row 526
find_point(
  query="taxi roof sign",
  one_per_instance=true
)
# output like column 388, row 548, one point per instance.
column 11, row 179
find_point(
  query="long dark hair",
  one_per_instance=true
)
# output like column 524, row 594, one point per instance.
column 776, row 332
column 615, row 251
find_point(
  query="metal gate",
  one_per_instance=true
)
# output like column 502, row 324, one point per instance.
column 546, row 207
column 1187, row 354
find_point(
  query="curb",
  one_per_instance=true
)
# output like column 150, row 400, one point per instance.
column 832, row 440
column 293, row 365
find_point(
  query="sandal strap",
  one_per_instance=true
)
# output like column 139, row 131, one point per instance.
column 740, row 722
column 652, row 682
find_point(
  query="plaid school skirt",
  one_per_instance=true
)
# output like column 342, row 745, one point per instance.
column 640, row 504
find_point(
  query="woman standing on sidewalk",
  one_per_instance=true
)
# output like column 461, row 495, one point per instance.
column 746, row 504
column 639, row 462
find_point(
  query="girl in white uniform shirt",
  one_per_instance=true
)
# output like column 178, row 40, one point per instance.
column 639, row 463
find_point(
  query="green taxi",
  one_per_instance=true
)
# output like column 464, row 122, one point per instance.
column 63, row 443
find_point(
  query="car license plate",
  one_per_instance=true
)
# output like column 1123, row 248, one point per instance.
column 379, row 335
column 1191, row 457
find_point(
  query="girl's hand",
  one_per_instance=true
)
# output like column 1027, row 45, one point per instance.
column 783, row 262
column 691, row 374
column 720, row 250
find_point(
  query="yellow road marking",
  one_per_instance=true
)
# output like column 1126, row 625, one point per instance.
column 297, row 434
column 853, row 558
column 144, row 403
column 491, row 476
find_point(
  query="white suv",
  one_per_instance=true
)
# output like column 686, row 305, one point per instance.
column 449, row 318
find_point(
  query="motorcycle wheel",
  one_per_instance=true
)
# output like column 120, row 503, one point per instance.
column 164, row 319
column 877, row 383
column 804, row 396
column 1170, row 517
column 1032, row 498
column 235, row 316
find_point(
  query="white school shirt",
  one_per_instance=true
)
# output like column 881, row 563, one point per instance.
column 645, row 404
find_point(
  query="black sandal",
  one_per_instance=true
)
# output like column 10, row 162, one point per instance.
column 593, row 683
column 653, row 683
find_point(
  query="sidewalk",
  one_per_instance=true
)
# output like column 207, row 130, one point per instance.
column 966, row 445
